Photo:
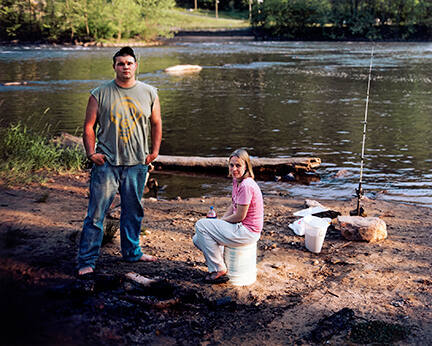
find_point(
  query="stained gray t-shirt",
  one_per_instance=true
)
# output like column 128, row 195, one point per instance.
column 124, row 122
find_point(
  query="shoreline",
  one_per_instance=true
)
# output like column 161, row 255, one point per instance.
column 207, row 35
column 388, row 281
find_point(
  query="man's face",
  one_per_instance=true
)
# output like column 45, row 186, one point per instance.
column 125, row 67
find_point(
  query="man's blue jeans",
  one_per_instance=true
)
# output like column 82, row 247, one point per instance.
column 105, row 181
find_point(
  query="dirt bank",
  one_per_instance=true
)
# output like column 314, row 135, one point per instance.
column 386, row 287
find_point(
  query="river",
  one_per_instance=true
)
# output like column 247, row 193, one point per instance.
column 277, row 99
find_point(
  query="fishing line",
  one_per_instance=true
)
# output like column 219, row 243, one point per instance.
column 359, row 191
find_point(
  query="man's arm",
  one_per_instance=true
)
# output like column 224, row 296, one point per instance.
column 156, row 131
column 89, row 135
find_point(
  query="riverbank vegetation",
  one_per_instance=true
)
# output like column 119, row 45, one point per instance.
column 24, row 153
column 344, row 19
column 102, row 20
column 80, row 21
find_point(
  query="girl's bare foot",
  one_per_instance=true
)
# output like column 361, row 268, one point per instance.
column 217, row 277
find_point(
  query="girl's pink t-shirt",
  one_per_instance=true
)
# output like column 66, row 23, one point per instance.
column 249, row 193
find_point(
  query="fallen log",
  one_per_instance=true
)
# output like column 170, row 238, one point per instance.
column 262, row 166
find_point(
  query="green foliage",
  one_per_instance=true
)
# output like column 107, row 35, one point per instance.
column 342, row 18
column 23, row 152
column 289, row 17
column 59, row 20
column 98, row 20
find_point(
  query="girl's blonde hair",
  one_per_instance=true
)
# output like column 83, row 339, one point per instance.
column 243, row 155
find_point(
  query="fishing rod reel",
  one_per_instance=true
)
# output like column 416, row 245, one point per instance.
column 359, row 211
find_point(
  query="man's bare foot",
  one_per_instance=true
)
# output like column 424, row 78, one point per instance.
column 85, row 270
column 148, row 258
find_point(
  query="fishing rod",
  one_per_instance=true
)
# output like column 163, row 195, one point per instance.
column 359, row 192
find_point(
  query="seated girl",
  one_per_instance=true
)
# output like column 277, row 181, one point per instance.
column 240, row 225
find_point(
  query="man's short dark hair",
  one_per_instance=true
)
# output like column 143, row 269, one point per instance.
column 123, row 52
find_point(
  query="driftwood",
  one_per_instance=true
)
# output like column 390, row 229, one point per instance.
column 263, row 167
column 150, row 302
column 139, row 279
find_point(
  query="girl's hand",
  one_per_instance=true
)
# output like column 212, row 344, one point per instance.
column 239, row 215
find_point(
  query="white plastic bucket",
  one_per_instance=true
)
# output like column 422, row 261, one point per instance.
column 315, row 231
column 241, row 264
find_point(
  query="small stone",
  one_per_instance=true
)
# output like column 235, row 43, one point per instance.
column 312, row 203
column 315, row 262
column 397, row 303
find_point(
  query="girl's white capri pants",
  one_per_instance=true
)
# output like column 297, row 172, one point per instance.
column 211, row 235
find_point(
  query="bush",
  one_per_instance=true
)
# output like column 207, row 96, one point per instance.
column 23, row 153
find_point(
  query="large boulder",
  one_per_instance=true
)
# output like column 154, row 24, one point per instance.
column 370, row 229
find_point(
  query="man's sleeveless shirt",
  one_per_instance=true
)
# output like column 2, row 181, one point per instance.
column 124, row 122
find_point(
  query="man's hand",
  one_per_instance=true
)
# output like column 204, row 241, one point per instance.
column 97, row 159
column 150, row 158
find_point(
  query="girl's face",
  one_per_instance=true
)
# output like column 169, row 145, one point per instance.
column 237, row 167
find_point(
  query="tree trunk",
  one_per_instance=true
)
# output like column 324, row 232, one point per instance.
column 86, row 19
column 216, row 8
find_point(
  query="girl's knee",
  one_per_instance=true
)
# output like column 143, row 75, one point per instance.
column 200, row 225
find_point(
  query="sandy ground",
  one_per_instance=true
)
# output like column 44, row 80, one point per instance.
column 386, row 287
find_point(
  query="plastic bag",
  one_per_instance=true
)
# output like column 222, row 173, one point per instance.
column 298, row 226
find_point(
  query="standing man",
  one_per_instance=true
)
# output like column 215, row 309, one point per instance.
column 127, row 113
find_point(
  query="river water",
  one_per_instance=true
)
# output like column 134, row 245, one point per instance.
column 277, row 99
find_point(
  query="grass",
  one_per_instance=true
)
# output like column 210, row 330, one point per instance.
column 182, row 19
column 25, row 153
column 177, row 19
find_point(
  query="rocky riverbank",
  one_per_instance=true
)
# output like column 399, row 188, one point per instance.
column 352, row 292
